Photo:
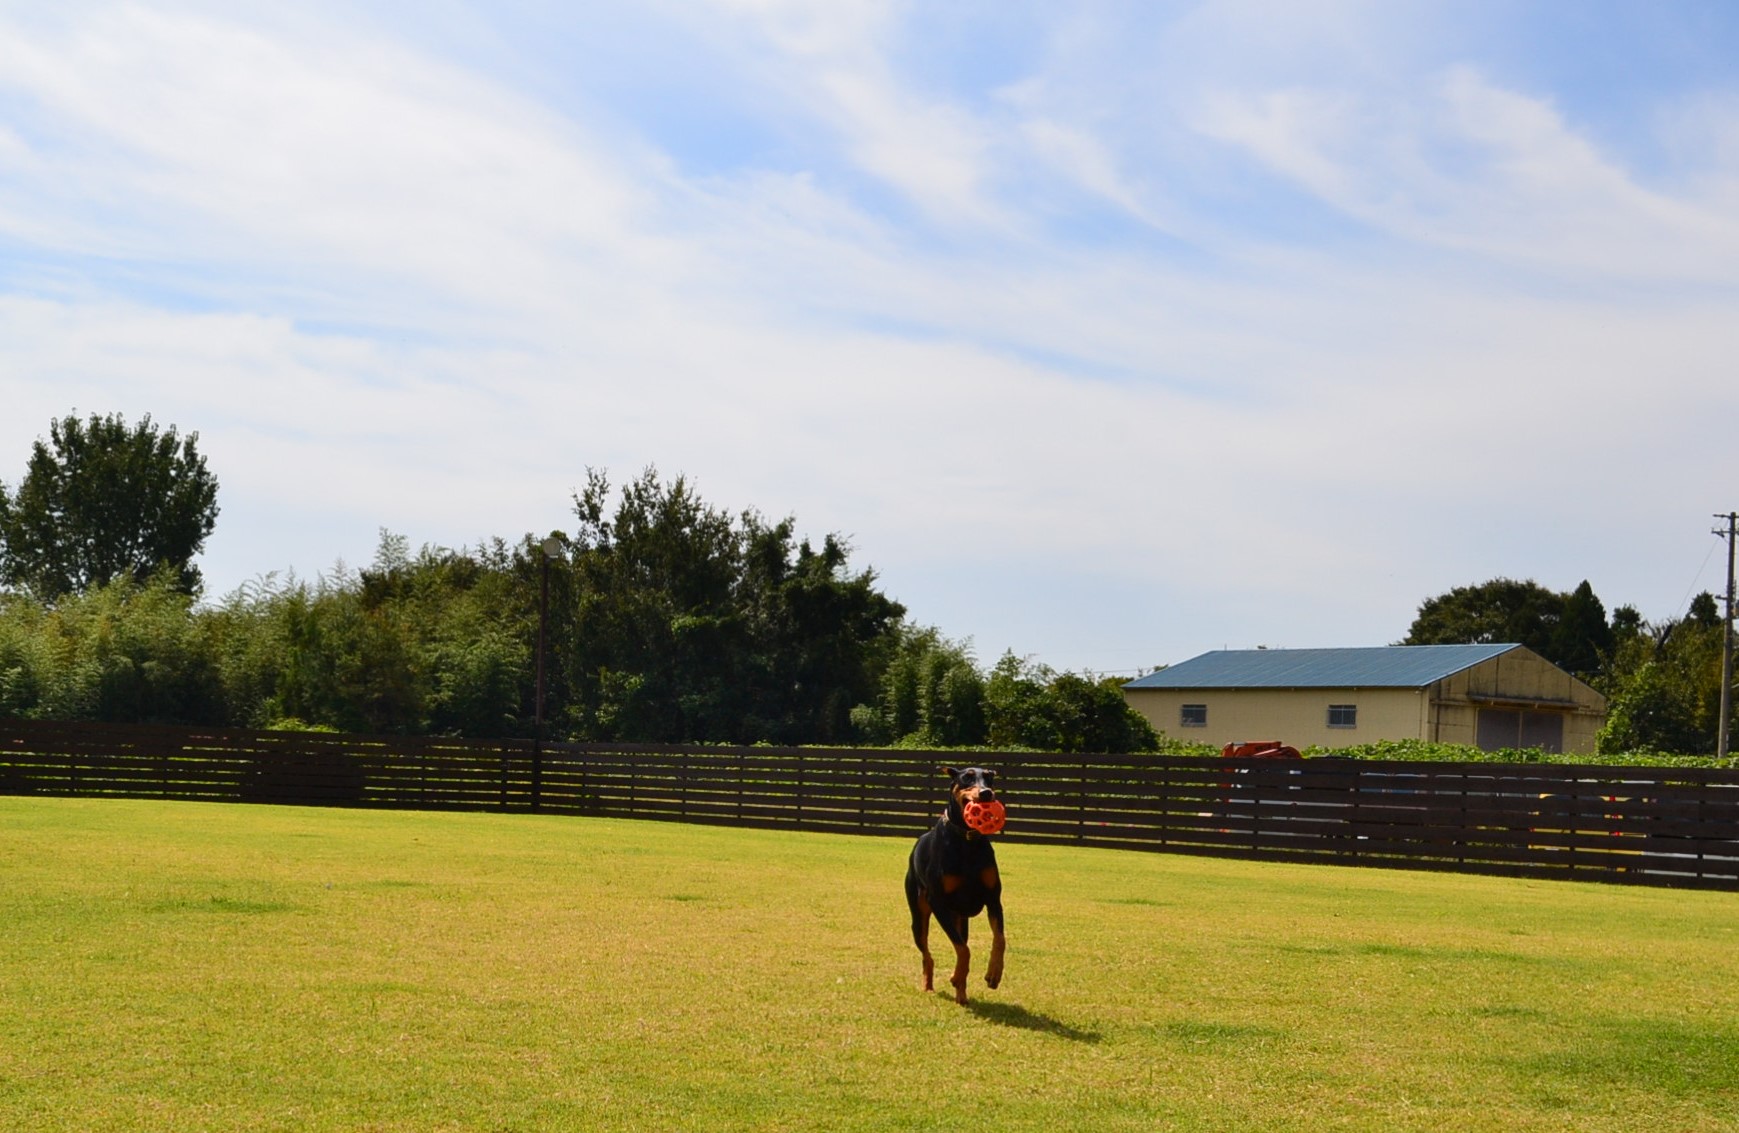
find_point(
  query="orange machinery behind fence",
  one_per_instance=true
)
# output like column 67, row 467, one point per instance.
column 1260, row 749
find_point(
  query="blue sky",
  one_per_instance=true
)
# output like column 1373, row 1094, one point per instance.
column 1106, row 335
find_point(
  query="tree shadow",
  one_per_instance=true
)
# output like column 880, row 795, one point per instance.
column 1014, row 1015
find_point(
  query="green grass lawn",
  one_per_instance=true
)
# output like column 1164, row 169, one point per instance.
column 173, row 966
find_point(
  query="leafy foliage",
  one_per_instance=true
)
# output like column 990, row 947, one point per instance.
column 1570, row 630
column 1028, row 705
column 124, row 652
column 687, row 624
column 1664, row 684
column 1428, row 751
column 931, row 695
column 106, row 502
column 1582, row 638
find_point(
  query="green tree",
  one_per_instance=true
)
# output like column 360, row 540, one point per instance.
column 1626, row 624
column 102, row 501
column 1031, row 705
column 686, row 623
column 931, row 695
column 816, row 633
column 1501, row 610
column 1664, row 685
column 1582, row 640
column 124, row 652
column 1570, row 630
column 654, row 626
column 1704, row 611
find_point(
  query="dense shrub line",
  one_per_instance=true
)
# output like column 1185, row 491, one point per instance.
column 668, row 621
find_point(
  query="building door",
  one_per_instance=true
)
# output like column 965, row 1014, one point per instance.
column 1515, row 728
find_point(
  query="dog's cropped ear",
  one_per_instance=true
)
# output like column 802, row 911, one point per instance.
column 990, row 778
column 952, row 773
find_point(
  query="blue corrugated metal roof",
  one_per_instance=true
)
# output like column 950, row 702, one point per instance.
column 1388, row 666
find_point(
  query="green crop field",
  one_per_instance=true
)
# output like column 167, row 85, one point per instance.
column 171, row 966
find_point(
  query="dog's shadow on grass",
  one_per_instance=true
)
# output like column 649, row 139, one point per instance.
column 1014, row 1015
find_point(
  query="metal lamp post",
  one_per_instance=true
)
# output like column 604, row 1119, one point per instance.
column 550, row 547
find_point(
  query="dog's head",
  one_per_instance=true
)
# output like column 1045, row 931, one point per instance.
column 970, row 785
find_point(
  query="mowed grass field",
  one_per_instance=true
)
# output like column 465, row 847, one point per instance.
column 172, row 966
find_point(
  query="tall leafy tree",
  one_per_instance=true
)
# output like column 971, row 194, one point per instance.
column 1626, row 623
column 687, row 623
column 102, row 501
column 1501, row 610
column 816, row 631
column 1582, row 640
column 1568, row 629
column 1031, row 705
column 1664, row 685
column 931, row 695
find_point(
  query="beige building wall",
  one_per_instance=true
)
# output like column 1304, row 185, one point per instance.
column 1295, row 716
column 1518, row 680
column 1448, row 711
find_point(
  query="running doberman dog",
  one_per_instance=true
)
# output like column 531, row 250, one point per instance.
column 952, row 874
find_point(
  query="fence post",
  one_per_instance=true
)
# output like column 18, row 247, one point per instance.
column 1081, row 799
column 1167, row 803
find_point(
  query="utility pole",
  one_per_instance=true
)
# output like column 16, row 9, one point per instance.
column 1731, row 532
column 550, row 547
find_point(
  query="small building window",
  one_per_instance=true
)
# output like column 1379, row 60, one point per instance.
column 1343, row 715
column 1194, row 716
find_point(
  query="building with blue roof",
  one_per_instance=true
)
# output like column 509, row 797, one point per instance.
column 1492, row 696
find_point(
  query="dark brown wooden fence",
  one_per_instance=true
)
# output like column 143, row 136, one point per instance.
column 1623, row 824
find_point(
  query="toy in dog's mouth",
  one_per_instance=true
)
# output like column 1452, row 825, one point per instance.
column 985, row 817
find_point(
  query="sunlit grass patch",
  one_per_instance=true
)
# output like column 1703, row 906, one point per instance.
column 185, row 966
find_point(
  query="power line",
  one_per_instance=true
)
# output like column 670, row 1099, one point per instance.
column 1685, row 602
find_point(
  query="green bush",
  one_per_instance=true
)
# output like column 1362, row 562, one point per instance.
column 1427, row 751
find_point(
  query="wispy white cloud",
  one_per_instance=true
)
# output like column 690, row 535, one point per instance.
column 1090, row 349
column 177, row 138
column 833, row 61
column 1472, row 166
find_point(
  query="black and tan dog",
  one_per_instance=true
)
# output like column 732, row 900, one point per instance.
column 953, row 875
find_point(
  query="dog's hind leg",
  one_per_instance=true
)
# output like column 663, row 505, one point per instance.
column 921, row 927
column 993, row 914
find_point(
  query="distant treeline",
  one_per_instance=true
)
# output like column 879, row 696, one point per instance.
column 668, row 621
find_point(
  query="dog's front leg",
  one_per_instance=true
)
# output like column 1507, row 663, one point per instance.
column 993, row 914
column 962, row 959
column 921, row 933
